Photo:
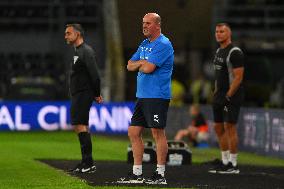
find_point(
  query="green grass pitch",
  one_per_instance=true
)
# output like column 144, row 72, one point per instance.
column 20, row 170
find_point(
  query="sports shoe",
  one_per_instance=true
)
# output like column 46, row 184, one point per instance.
column 229, row 169
column 156, row 179
column 213, row 162
column 131, row 179
column 217, row 166
column 84, row 168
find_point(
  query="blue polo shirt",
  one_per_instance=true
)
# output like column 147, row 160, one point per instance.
column 158, row 83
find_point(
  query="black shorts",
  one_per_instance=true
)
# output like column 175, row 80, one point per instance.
column 81, row 103
column 150, row 113
column 228, row 113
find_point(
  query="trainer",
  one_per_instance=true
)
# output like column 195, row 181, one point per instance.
column 228, row 96
column 84, row 88
column 154, row 63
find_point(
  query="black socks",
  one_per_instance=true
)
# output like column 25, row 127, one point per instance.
column 86, row 147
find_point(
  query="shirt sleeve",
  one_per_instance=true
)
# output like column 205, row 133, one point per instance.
column 91, row 64
column 136, row 55
column 160, row 54
column 237, row 59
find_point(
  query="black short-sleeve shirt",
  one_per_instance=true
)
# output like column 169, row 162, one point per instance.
column 225, row 60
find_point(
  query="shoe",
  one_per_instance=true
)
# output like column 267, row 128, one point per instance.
column 214, row 162
column 229, row 169
column 131, row 179
column 84, row 168
column 217, row 166
column 156, row 179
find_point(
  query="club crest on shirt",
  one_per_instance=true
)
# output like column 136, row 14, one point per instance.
column 75, row 59
column 145, row 51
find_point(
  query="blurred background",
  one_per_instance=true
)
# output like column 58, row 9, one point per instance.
column 34, row 70
column 35, row 59
column 35, row 62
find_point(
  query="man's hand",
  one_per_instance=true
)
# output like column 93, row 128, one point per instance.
column 99, row 99
column 135, row 65
column 226, row 100
column 147, row 67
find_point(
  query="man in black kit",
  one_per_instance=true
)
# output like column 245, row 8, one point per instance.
column 228, row 96
column 84, row 88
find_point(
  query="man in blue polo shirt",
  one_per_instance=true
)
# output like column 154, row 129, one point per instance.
column 154, row 63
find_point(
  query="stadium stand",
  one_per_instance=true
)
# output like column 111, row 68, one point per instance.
column 258, row 26
column 33, row 53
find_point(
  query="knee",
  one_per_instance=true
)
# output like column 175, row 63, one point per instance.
column 158, row 134
column 219, row 130
column 236, row 139
column 155, row 135
column 231, row 130
column 232, row 134
column 133, row 134
column 180, row 132
column 80, row 128
column 219, row 133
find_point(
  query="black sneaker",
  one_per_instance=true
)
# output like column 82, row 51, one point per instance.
column 84, row 168
column 156, row 179
column 217, row 166
column 214, row 162
column 131, row 179
column 229, row 169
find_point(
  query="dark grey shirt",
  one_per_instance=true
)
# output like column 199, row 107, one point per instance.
column 84, row 72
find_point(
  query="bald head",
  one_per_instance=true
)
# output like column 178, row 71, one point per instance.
column 155, row 17
column 152, row 26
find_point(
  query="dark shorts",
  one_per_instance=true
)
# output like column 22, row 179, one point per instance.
column 228, row 113
column 150, row 113
column 80, row 107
